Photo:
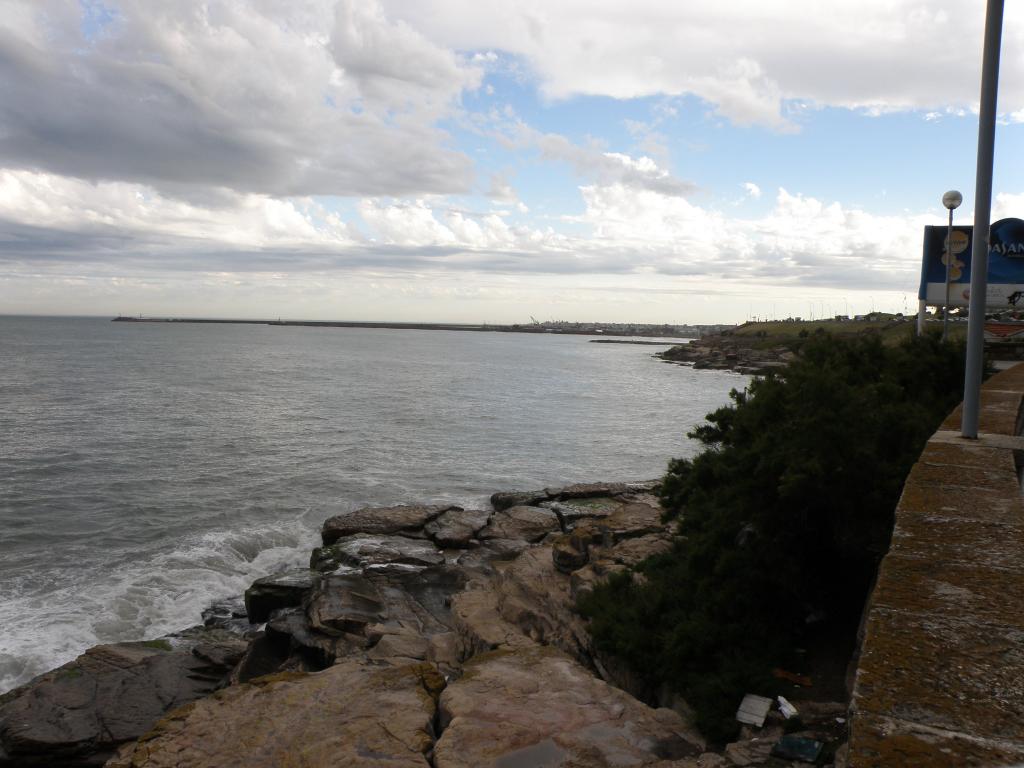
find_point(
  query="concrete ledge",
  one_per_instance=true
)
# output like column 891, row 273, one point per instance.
column 940, row 680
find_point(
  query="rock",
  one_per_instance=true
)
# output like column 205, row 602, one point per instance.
column 352, row 714
column 265, row 655
column 419, row 599
column 534, row 597
column 750, row 752
column 309, row 648
column 446, row 651
column 80, row 713
column 587, row 490
column 706, row 760
column 569, row 553
column 535, row 706
column 479, row 624
column 406, row 645
column 282, row 590
column 526, row 523
column 344, row 604
column 583, row 580
column 506, row 499
column 379, row 520
column 633, row 551
column 491, row 551
column 631, row 521
column 360, row 550
column 572, row 512
column 229, row 614
column 457, row 529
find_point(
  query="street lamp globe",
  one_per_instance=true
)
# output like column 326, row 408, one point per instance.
column 951, row 200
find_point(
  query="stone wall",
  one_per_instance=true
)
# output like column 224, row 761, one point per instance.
column 940, row 680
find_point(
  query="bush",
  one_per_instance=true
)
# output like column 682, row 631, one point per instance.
column 786, row 513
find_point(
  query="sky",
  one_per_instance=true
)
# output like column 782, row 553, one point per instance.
column 480, row 161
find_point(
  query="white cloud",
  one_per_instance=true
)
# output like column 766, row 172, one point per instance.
column 267, row 97
column 593, row 161
column 752, row 189
column 123, row 210
column 747, row 57
column 625, row 230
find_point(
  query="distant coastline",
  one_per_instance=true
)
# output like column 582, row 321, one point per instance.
column 557, row 327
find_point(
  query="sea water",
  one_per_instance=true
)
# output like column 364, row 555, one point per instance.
column 149, row 469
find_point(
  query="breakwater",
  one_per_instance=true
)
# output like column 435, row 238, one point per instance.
column 576, row 329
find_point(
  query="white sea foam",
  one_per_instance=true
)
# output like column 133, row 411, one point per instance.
column 146, row 597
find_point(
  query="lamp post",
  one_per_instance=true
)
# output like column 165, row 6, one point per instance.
column 951, row 200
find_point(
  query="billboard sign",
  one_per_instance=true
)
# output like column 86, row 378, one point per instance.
column 1005, row 266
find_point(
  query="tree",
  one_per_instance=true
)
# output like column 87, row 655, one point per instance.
column 785, row 514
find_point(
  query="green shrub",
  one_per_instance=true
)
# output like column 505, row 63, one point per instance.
column 786, row 513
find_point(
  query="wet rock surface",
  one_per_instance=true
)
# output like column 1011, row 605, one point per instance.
column 80, row 713
column 399, row 602
column 282, row 590
column 364, row 549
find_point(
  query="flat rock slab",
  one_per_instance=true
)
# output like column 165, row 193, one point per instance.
column 380, row 520
column 524, row 523
column 588, row 490
column 80, row 713
column 352, row 714
column 507, row 499
column 362, row 549
column 535, row 706
column 457, row 528
column 283, row 590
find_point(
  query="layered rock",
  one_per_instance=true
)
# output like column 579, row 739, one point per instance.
column 353, row 714
column 78, row 714
column 362, row 549
column 382, row 520
column 399, row 598
column 282, row 590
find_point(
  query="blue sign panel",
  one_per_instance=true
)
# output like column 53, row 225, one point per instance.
column 1005, row 265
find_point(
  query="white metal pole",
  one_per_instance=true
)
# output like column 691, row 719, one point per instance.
column 949, row 267
column 982, row 214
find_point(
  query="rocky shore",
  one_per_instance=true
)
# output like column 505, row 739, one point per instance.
column 418, row 636
column 729, row 353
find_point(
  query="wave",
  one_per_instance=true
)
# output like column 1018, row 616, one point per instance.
column 145, row 595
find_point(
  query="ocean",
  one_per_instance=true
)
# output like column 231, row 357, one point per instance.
column 150, row 469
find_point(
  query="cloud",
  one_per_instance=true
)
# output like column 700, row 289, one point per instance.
column 121, row 228
column 269, row 97
column 752, row 190
column 592, row 162
column 747, row 58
